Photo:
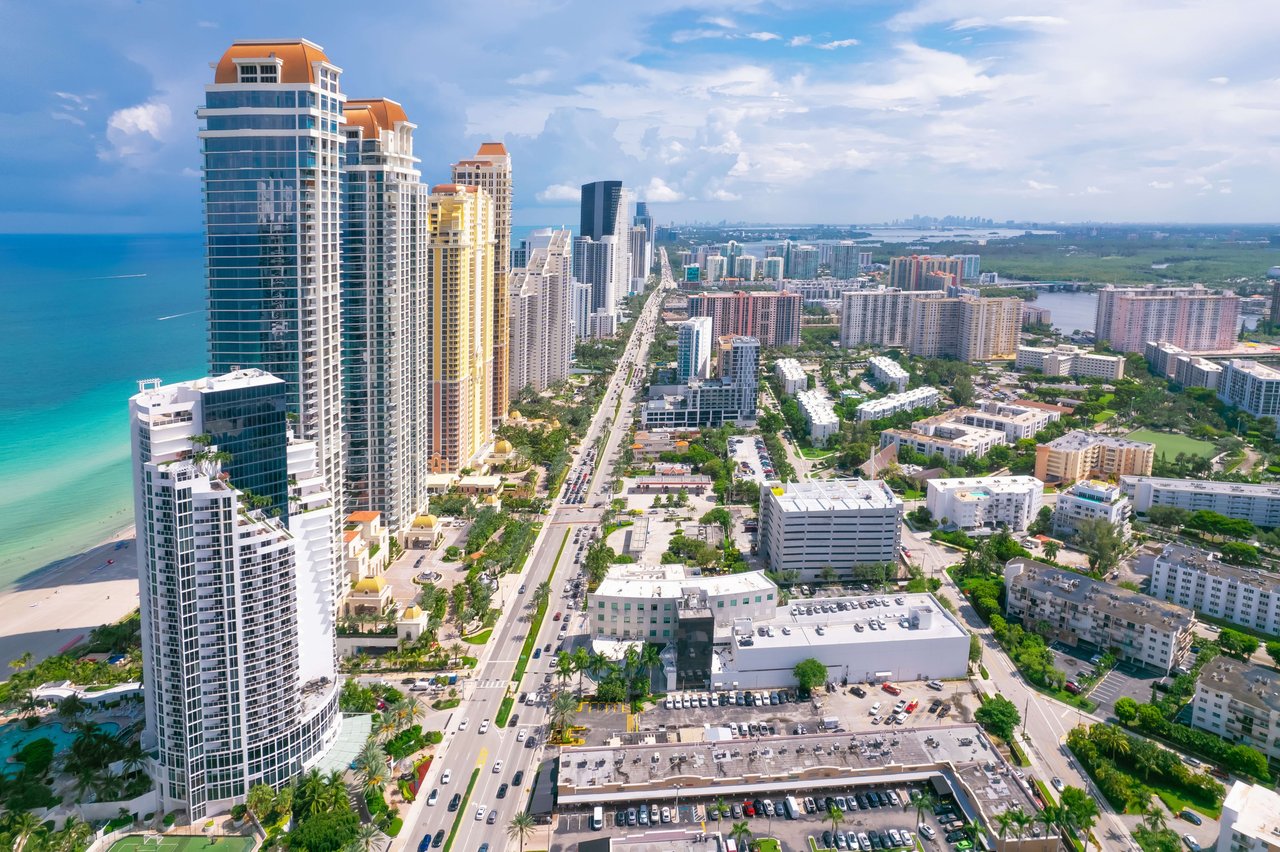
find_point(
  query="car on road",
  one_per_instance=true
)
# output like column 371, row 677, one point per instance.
column 1058, row 785
column 1191, row 817
column 425, row 843
column 434, row 797
column 462, row 726
column 438, row 840
column 481, row 810
column 537, row 652
column 1191, row 843
column 493, row 817
column 520, row 735
column 444, row 779
column 455, row 802
column 484, row 726
column 497, row 767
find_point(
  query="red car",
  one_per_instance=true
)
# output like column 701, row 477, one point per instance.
column 557, row 616
column 911, row 708
column 748, row 809
column 891, row 689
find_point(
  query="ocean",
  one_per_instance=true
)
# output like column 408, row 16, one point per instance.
column 83, row 318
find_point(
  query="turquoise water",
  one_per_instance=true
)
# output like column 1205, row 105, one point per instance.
column 83, row 318
column 13, row 737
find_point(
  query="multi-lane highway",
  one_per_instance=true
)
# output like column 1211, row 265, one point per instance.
column 499, row 753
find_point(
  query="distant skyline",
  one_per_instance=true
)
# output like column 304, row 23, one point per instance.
column 841, row 112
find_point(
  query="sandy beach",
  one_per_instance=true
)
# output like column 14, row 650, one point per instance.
column 52, row 608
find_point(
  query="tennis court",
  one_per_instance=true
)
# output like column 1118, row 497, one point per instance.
column 181, row 843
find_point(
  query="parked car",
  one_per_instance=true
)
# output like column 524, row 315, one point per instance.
column 1191, row 817
column 1191, row 843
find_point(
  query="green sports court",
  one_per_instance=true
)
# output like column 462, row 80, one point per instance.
column 181, row 843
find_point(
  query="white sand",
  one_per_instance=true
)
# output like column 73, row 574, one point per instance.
column 46, row 611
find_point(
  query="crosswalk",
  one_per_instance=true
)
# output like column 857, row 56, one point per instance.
column 493, row 683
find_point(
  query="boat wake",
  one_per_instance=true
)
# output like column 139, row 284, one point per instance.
column 175, row 316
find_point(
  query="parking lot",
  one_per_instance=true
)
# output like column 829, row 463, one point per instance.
column 751, row 459
column 1122, row 681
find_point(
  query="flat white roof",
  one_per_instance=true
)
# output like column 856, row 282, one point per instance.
column 992, row 484
column 1258, row 809
column 838, row 625
column 834, row 495
column 671, row 581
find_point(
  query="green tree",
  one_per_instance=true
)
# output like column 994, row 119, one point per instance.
column 998, row 715
column 810, row 674
column 1043, row 524
column 261, row 801
column 1236, row 644
column 1051, row 550
column 1168, row 516
column 1273, row 651
column 1239, row 553
column 741, row 834
column 835, row 815
column 1126, row 710
column 521, row 827
column 1081, row 810
column 1246, row 761
column 1101, row 542
column 975, row 648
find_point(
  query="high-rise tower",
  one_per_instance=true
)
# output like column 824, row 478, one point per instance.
column 542, row 316
column 490, row 169
column 602, row 250
column 271, row 134
column 460, row 325
column 384, row 314
column 238, row 640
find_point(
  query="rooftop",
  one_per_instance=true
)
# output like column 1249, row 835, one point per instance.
column 675, row 581
column 1253, row 685
column 831, row 621
column 1095, row 490
column 1253, row 368
column 1046, row 581
column 297, row 56
column 1081, row 440
column 1241, row 488
column 1257, row 810
column 834, row 495
column 988, row 484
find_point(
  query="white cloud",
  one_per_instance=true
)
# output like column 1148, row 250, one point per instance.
column 1224, row 190
column 66, row 116
column 206, row 25
column 532, row 78
column 136, row 130
column 1034, row 21
column 560, row 192
column 1161, row 184
column 715, row 21
column 1220, row 81
column 1094, row 190
column 764, row 36
column 724, row 195
column 835, row 45
column 658, row 192
column 1040, row 187
column 799, row 41
column 685, row 36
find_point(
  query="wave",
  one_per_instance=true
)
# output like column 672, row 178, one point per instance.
column 175, row 316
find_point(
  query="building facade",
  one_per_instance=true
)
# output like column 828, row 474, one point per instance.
column 988, row 502
column 1068, row 360
column 1198, row 580
column 877, row 317
column 490, row 170
column 791, row 376
column 238, row 642
column 842, row 525
column 1084, row 455
column 1240, row 703
column 1080, row 611
column 693, row 349
column 1251, row 387
column 894, row 403
column 1091, row 500
column 888, row 373
column 730, row 399
column 542, row 312
column 1257, row 504
column 908, row 273
column 460, row 326
column 819, row 416
column 1192, row 318
column 967, row 328
column 1250, row 819
column 772, row 318
column 384, row 314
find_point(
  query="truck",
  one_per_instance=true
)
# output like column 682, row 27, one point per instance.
column 830, row 723
column 793, row 807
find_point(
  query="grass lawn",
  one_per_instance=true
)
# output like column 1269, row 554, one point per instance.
column 479, row 638
column 1176, row 801
column 1171, row 444
column 815, row 453
column 1103, row 416
column 184, row 843
column 768, row 844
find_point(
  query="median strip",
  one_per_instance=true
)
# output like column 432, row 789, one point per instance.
column 462, row 809
column 535, row 624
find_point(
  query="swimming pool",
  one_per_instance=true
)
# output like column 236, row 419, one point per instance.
column 13, row 736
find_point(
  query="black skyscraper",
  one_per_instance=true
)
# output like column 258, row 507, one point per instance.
column 600, row 209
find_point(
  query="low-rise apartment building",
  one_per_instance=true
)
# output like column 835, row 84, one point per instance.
column 1250, row 820
column 819, row 416
column 1197, row 579
column 841, row 524
column 987, row 502
column 878, row 409
column 944, row 436
column 1081, row 455
column 1251, row 387
column 1068, row 360
column 888, row 373
column 1014, row 420
column 1257, row 504
column 1090, row 500
column 1240, row 703
column 1080, row 611
column 791, row 376
column 1188, row 370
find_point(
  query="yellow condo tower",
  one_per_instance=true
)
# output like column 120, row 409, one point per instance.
column 460, row 356
column 490, row 169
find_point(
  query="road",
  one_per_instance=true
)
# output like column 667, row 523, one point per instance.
column 465, row 750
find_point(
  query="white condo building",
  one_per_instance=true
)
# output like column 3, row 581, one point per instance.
column 888, row 373
column 1257, row 504
column 1251, row 387
column 238, row 642
column 1068, row 360
column 790, row 375
column 542, row 312
column 841, row 524
column 878, row 409
column 1249, row 597
column 819, row 416
column 1088, row 500
column 693, row 349
column 988, row 502
column 1240, row 703
column 1014, row 420
column 1250, row 820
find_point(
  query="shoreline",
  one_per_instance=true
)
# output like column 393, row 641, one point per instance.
column 54, row 607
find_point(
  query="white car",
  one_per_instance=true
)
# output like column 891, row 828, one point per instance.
column 462, row 726
column 433, row 798
column 480, row 812
column 521, row 735
column 444, row 779
column 484, row 726
column 1058, row 785
column 926, row 830
column 875, row 709
column 497, row 767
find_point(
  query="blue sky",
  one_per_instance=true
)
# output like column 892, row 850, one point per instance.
column 1141, row 110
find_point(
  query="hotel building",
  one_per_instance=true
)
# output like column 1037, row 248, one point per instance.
column 1257, row 504
column 460, row 326
column 841, row 524
column 988, row 502
column 772, row 318
column 238, row 644
column 1084, row 455
column 1240, row 703
column 1080, row 611
column 1192, row 318
column 1249, row 597
column 490, row 170
column 693, row 349
column 384, row 314
column 542, row 312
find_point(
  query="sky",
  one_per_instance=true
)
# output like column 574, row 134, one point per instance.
column 778, row 111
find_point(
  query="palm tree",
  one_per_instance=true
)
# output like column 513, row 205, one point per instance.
column 23, row 826
column 521, row 826
column 541, row 595
column 564, row 666
column 599, row 664
column 581, row 659
column 1153, row 815
column 1004, row 823
column 835, row 815
column 407, row 710
column 926, row 801
column 650, row 659
column 373, row 775
column 1050, row 817
column 260, row 801
column 1051, row 550
column 75, row 834
column 722, row 807
column 367, row 838
column 72, row 707
column 384, row 726
column 741, row 834
column 1022, row 821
